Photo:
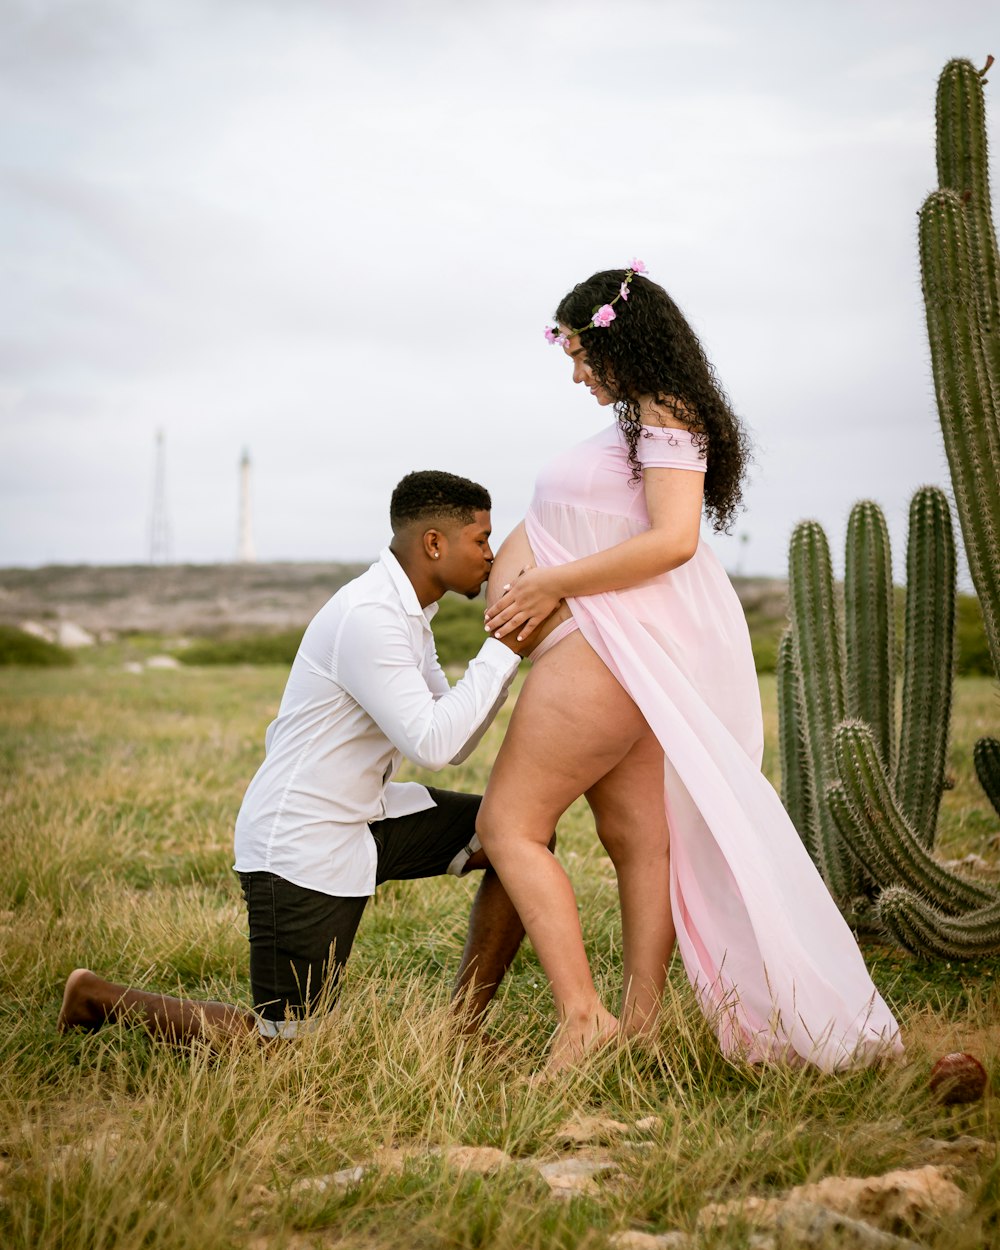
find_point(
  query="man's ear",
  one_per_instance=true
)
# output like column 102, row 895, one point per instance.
column 434, row 543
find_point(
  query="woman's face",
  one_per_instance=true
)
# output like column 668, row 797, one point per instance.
column 582, row 372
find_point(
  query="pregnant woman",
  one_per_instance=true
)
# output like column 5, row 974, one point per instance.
column 643, row 696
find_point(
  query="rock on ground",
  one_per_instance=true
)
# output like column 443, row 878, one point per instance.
column 906, row 1200
column 805, row 1225
column 632, row 1239
column 566, row 1177
column 486, row 1160
column 900, row 1202
column 589, row 1130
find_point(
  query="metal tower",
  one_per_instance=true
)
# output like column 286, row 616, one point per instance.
column 246, row 552
column 159, row 525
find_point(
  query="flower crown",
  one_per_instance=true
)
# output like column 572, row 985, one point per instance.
column 603, row 316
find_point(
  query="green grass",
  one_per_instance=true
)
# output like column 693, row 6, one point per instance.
column 25, row 650
column 119, row 793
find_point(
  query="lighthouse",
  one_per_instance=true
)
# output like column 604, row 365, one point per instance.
column 246, row 553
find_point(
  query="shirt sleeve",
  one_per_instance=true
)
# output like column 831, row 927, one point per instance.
column 669, row 449
column 374, row 661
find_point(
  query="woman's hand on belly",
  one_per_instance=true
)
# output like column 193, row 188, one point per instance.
column 514, row 563
column 524, row 604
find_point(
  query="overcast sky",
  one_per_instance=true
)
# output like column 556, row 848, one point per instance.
column 332, row 232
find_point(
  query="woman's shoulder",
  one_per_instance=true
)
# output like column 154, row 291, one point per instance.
column 666, row 431
column 669, row 414
column 670, row 447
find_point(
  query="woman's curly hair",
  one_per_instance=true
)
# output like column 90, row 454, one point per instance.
column 649, row 349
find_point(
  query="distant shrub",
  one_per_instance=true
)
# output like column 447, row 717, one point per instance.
column 973, row 649
column 243, row 649
column 765, row 650
column 458, row 629
column 17, row 647
column 458, row 635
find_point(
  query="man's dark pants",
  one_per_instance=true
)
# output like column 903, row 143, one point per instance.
column 300, row 939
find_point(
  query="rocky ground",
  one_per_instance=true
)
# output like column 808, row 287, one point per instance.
column 167, row 599
column 864, row 1213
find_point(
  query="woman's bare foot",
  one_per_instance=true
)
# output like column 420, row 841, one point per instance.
column 579, row 1036
column 81, row 1008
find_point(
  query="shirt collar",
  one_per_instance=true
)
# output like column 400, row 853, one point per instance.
column 404, row 587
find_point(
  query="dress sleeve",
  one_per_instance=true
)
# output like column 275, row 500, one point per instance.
column 669, row 449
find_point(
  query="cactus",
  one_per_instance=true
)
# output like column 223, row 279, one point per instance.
column 819, row 654
column 966, row 395
column 986, row 757
column 794, row 780
column 877, row 832
column 883, row 795
column 924, row 930
column 815, row 650
column 963, row 167
column 961, row 282
column 928, row 662
column 869, row 625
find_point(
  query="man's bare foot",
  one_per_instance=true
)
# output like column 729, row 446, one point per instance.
column 81, row 1009
column 577, row 1038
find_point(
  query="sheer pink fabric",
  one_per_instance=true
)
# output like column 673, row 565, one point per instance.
column 774, row 965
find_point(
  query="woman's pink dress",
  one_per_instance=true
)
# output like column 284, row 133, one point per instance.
column 774, row 965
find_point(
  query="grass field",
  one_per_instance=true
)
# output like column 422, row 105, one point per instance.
column 119, row 793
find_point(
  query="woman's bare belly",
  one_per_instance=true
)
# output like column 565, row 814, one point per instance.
column 515, row 554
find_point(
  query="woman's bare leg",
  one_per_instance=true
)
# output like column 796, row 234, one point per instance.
column 628, row 809
column 572, row 725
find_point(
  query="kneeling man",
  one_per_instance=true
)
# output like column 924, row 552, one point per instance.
column 322, row 823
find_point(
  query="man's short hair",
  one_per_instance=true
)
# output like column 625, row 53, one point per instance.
column 431, row 495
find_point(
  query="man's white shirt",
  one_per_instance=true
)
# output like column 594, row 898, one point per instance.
column 365, row 690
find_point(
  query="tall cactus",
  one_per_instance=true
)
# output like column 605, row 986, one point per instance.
column 966, row 394
column 819, row 654
column 928, row 662
column 883, row 796
column 870, row 625
column 963, row 167
column 960, row 274
column 795, row 793
column 961, row 282
column 883, row 817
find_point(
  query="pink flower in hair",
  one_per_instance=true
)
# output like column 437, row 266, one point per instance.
column 623, row 290
column 604, row 316
column 637, row 266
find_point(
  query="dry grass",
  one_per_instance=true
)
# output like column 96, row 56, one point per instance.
column 118, row 799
